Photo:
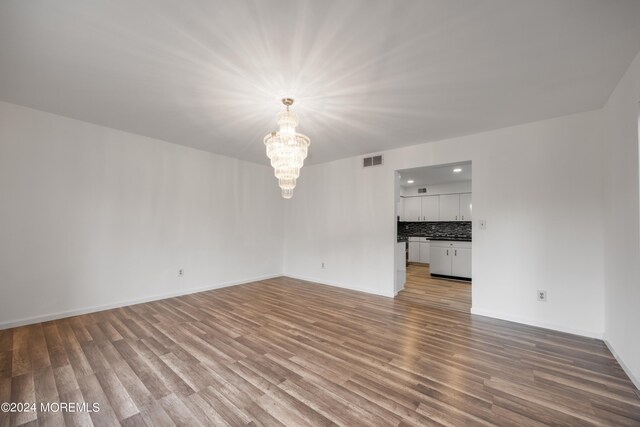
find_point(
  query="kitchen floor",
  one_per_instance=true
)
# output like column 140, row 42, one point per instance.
column 420, row 288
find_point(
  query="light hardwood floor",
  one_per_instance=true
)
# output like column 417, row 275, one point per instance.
column 421, row 288
column 287, row 352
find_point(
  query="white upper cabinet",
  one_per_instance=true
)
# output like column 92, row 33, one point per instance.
column 444, row 207
column 449, row 207
column 412, row 209
column 431, row 208
column 465, row 207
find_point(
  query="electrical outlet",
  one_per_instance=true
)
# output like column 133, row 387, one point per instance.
column 542, row 296
column 322, row 265
column 483, row 224
column 180, row 273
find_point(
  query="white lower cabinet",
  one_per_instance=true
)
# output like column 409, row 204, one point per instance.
column 414, row 251
column 440, row 260
column 419, row 249
column 450, row 259
column 424, row 252
column 461, row 262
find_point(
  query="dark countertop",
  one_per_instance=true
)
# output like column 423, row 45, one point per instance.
column 437, row 238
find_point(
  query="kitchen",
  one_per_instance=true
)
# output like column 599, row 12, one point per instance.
column 434, row 235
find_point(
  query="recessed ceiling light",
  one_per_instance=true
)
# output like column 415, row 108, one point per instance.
column 456, row 170
column 410, row 181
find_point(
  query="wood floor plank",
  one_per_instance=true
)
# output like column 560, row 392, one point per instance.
column 204, row 411
column 155, row 415
column 21, row 361
column 421, row 288
column 75, row 418
column 46, row 391
column 289, row 352
column 117, row 394
column 55, row 346
column 5, row 396
column 23, row 391
column 179, row 413
column 6, row 364
column 93, row 392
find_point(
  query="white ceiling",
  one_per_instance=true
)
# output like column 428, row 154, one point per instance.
column 434, row 175
column 367, row 75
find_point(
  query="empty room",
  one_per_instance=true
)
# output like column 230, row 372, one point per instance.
column 313, row 213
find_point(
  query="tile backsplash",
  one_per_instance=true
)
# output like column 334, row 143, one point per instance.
column 439, row 229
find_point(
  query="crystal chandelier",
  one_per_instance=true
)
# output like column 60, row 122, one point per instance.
column 287, row 149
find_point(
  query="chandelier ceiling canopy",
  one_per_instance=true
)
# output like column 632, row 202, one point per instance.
column 287, row 149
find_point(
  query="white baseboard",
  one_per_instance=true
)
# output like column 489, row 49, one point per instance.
column 96, row 308
column 635, row 380
column 552, row 326
column 338, row 285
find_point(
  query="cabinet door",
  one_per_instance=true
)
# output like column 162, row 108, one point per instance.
column 414, row 251
column 440, row 260
column 412, row 209
column 424, row 252
column 431, row 208
column 449, row 207
column 465, row 207
column 461, row 263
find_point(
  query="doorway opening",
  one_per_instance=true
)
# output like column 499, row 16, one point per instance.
column 434, row 236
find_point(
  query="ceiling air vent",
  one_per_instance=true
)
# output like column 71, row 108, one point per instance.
column 372, row 161
column 422, row 190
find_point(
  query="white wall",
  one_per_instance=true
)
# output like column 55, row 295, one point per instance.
column 538, row 186
column 93, row 217
column 432, row 190
column 622, row 215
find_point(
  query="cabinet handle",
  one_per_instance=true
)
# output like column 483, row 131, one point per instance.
column 462, row 218
column 447, row 252
column 455, row 253
column 456, row 217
